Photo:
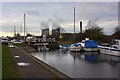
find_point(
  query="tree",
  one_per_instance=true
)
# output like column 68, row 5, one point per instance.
column 116, row 33
column 29, row 35
column 95, row 33
column 17, row 36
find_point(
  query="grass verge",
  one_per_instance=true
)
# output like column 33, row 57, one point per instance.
column 22, row 44
column 9, row 68
column 0, row 61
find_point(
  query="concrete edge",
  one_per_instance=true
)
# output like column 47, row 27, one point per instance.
column 44, row 66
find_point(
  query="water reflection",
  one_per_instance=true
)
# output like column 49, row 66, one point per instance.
column 64, row 50
column 90, row 58
column 109, row 59
column 23, row 64
column 81, row 64
column 75, row 55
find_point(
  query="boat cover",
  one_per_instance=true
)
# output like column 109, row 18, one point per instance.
column 65, row 45
column 75, row 44
column 90, row 44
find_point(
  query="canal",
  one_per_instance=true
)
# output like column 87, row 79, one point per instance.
column 81, row 64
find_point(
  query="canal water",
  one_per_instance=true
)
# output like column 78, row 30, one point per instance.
column 81, row 64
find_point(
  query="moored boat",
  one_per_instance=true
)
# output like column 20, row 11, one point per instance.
column 112, row 50
column 64, row 46
column 88, row 45
column 75, row 47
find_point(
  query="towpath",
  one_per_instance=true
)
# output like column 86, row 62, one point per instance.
column 34, row 68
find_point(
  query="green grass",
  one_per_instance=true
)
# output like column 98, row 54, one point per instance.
column 0, row 61
column 9, row 67
column 22, row 44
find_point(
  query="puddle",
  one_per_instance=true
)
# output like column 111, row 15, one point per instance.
column 16, row 56
column 11, row 46
column 23, row 64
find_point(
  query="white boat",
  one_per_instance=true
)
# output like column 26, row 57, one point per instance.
column 75, row 48
column 64, row 46
column 88, row 45
column 4, row 40
column 112, row 50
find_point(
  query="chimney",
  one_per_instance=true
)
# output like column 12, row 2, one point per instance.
column 80, row 26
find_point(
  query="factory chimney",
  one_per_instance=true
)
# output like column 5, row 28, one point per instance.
column 80, row 26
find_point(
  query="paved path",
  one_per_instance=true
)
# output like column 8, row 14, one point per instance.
column 36, row 68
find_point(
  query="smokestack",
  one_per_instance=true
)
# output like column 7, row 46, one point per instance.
column 80, row 26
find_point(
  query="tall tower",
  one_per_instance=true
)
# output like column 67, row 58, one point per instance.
column 14, row 30
column 80, row 26
column 24, row 28
column 74, row 23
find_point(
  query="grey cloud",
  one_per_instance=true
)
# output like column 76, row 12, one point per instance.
column 55, row 14
column 33, row 13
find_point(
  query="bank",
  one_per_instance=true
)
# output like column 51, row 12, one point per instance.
column 9, row 67
column 37, row 68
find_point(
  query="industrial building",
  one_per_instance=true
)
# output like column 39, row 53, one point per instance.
column 56, row 31
column 45, row 32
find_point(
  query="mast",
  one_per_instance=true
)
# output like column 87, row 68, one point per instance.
column 20, row 28
column 14, row 30
column 74, row 24
column 24, row 28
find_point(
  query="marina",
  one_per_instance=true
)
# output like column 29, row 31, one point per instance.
column 57, row 40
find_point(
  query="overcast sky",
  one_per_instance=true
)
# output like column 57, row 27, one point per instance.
column 40, row 15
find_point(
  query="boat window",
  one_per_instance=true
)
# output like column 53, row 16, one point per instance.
column 4, row 39
column 116, row 42
column 83, row 42
column 115, row 47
